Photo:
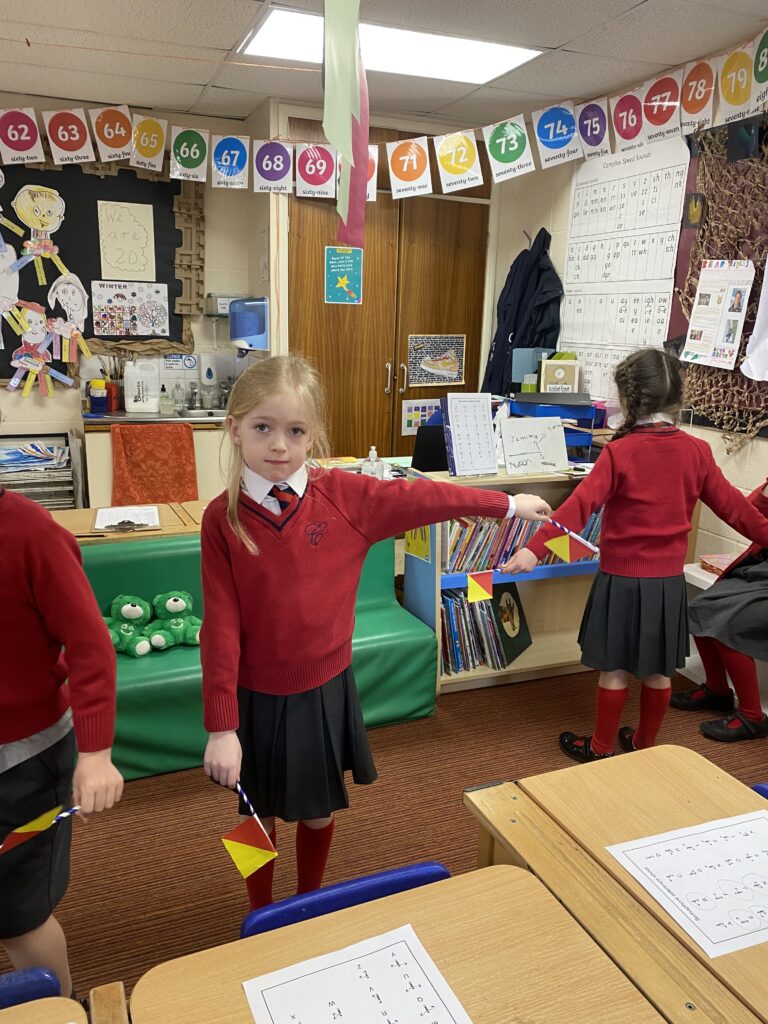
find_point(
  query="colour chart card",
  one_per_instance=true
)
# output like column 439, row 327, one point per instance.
column 712, row 879
column 623, row 232
column 389, row 978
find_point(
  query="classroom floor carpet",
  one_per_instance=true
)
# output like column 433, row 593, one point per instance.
column 151, row 880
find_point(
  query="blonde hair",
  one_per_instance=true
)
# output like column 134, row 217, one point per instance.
column 261, row 381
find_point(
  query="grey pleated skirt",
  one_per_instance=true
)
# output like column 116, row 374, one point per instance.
column 735, row 609
column 297, row 748
column 637, row 625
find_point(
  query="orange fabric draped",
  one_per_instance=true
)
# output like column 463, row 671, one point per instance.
column 153, row 463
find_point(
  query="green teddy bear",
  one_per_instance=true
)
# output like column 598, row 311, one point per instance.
column 127, row 624
column 174, row 624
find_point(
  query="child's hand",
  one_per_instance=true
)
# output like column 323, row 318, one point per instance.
column 97, row 785
column 531, row 506
column 522, row 561
column 223, row 755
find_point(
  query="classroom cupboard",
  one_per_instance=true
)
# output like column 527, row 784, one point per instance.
column 423, row 273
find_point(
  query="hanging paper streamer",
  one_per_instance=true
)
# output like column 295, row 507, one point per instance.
column 315, row 171
column 148, row 142
column 556, row 135
column 272, row 166
column 734, row 79
column 760, row 72
column 248, row 845
column 697, row 96
column 68, row 136
column 509, row 151
column 354, row 180
column 20, row 141
column 189, row 154
column 33, row 828
column 113, row 130
column 373, row 174
column 627, row 116
column 479, row 586
column 409, row 171
column 592, row 121
column 570, row 547
column 661, row 107
column 229, row 161
column 458, row 162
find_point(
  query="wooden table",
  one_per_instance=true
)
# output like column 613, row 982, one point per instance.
column 510, row 952
column 193, row 510
column 558, row 825
column 45, row 1011
column 79, row 521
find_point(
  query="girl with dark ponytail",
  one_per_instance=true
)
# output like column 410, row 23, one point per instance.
column 648, row 480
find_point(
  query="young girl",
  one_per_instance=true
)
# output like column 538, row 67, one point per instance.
column 648, row 480
column 728, row 622
column 282, row 552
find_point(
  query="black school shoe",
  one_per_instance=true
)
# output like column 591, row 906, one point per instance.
column 746, row 730
column 701, row 698
column 579, row 747
column 627, row 739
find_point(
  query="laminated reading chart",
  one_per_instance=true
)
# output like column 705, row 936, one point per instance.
column 390, row 979
column 622, row 246
column 712, row 879
column 469, row 439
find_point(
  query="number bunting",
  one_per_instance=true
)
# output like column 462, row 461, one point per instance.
column 189, row 154
column 509, row 151
column 734, row 80
column 315, row 171
column 20, row 141
column 592, row 122
column 68, row 136
column 229, row 161
column 458, row 162
column 697, row 96
column 661, row 106
column 148, row 142
column 113, row 130
column 409, row 171
column 627, row 117
column 556, row 135
column 272, row 166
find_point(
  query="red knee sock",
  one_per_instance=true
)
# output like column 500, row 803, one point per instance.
column 259, row 884
column 610, row 704
column 710, row 652
column 741, row 668
column 312, row 847
column 653, row 707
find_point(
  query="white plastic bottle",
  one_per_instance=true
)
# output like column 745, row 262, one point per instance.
column 141, row 385
column 373, row 466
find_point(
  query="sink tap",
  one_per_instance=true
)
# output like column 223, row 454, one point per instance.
column 195, row 399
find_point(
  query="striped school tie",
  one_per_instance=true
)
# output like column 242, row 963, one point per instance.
column 285, row 496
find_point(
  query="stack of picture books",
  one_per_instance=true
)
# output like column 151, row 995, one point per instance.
column 475, row 545
column 491, row 633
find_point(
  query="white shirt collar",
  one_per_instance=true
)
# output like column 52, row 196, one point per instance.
column 656, row 417
column 258, row 487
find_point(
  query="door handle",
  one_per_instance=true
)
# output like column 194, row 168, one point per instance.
column 404, row 388
column 388, row 388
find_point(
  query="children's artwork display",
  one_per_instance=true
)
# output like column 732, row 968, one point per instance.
column 435, row 360
column 126, row 241
column 130, row 309
column 389, row 977
column 533, row 444
column 712, row 879
column 717, row 317
column 623, row 231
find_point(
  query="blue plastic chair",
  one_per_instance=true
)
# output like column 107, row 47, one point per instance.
column 761, row 788
column 340, row 896
column 24, row 986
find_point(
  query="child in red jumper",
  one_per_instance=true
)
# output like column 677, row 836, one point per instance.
column 728, row 623
column 47, row 604
column 282, row 552
column 648, row 479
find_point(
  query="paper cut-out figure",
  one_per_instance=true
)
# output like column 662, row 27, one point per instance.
column 41, row 209
column 39, row 347
column 69, row 292
column 9, row 293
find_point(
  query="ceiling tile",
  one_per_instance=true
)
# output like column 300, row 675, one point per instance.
column 281, row 83
column 546, row 23
column 221, row 24
column 488, row 105
column 226, row 103
column 91, row 88
column 671, row 31
column 103, row 54
column 757, row 7
column 389, row 93
column 560, row 73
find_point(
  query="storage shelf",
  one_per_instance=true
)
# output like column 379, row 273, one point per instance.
column 548, row 650
column 457, row 581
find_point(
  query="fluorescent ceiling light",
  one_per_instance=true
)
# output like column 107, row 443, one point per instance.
column 290, row 35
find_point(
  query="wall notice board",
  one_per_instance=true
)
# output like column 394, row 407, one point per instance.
column 117, row 241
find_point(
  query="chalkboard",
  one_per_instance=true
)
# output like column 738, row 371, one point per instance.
column 78, row 241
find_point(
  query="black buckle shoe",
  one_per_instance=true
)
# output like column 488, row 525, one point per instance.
column 746, row 730
column 627, row 739
column 685, row 700
column 579, row 747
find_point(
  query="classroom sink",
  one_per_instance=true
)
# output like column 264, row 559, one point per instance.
column 203, row 414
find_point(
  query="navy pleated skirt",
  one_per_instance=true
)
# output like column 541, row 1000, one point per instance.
column 637, row 625
column 297, row 749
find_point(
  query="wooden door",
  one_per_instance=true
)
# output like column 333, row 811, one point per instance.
column 350, row 345
column 441, row 281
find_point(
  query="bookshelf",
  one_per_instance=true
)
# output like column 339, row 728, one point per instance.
column 552, row 596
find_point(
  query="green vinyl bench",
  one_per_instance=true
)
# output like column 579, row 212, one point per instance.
column 159, row 699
